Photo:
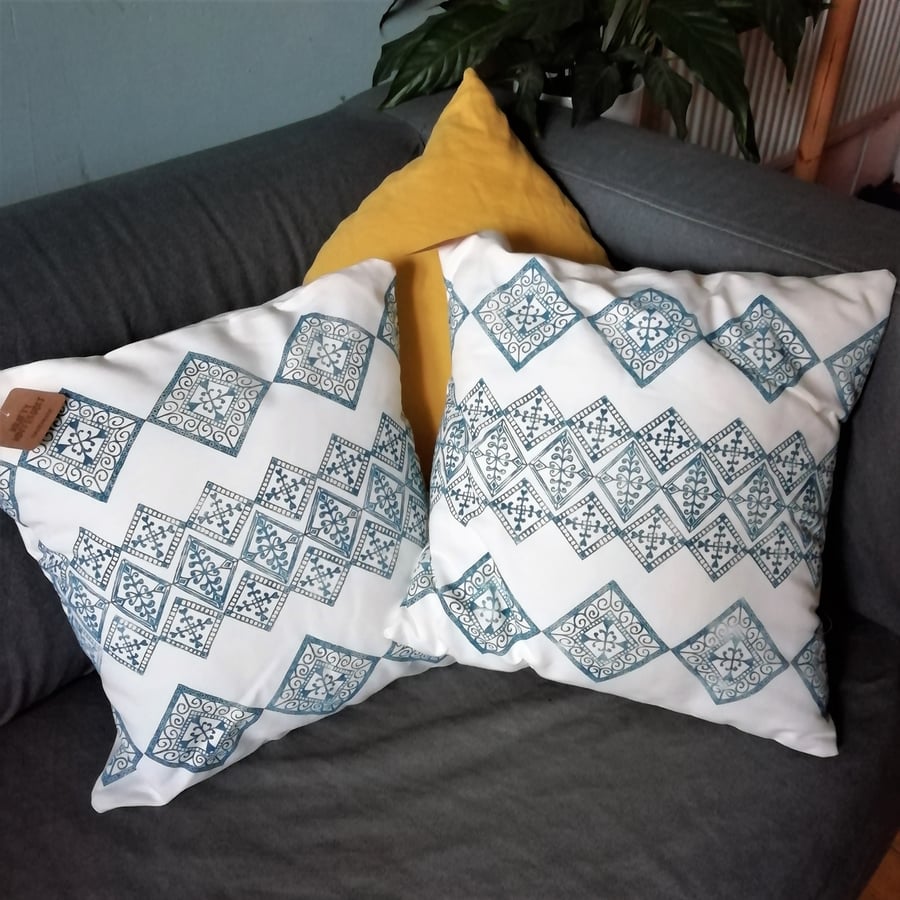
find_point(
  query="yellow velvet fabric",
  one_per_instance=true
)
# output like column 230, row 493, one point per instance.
column 473, row 175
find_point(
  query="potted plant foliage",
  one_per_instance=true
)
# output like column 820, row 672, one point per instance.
column 595, row 50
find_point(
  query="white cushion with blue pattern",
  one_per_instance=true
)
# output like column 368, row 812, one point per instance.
column 632, row 478
column 230, row 514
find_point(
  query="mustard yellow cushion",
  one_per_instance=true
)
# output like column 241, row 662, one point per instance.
column 474, row 174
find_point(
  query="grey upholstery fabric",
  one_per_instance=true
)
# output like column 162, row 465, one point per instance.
column 462, row 783
column 88, row 270
column 656, row 202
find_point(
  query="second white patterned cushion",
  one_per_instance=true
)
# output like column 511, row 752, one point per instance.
column 632, row 479
column 229, row 513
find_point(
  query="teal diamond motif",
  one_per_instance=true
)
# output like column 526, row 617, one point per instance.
column 766, row 346
column 718, row 547
column 606, row 636
column 777, row 554
column 653, row 538
column 628, row 481
column 647, row 332
column 694, row 492
column 484, row 609
column 733, row 656
column 561, row 469
column 757, row 502
column 850, row 367
column 526, row 315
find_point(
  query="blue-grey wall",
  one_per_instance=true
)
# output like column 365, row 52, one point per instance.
column 90, row 89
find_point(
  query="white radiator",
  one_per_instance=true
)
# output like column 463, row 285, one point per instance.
column 870, row 86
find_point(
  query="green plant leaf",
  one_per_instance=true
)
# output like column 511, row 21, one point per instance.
column 529, row 84
column 448, row 44
column 530, row 19
column 669, row 90
column 392, row 10
column 596, row 84
column 702, row 36
column 785, row 24
column 394, row 52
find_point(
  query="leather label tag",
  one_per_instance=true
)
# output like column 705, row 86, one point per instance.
column 26, row 417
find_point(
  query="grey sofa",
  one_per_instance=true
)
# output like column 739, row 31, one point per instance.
column 458, row 782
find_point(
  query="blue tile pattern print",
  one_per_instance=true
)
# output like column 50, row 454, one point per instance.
column 130, row 644
column 718, row 548
column 256, row 601
column 125, row 756
column 285, row 489
column 344, row 464
column 808, row 512
column 272, row 547
column 520, row 511
column 766, row 346
column 791, row 462
column 777, row 554
column 140, row 594
column 647, row 332
column 384, row 497
column 86, row 447
column 320, row 575
column 479, row 407
column 496, row 458
column 694, row 491
column 628, row 481
column 561, row 469
column 733, row 656
column 811, row 667
column 534, row 417
column 451, row 448
column 199, row 731
column 8, row 502
column 757, row 502
column 205, row 571
column 667, row 440
column 850, row 367
column 86, row 605
column 377, row 549
column 210, row 401
column 322, row 678
column 220, row 513
column 153, row 536
column 333, row 521
column 465, row 499
column 390, row 443
column 600, row 428
column 606, row 636
column 456, row 311
column 421, row 584
column 191, row 626
column 56, row 567
column 388, row 332
column 586, row 525
column 653, row 538
column 526, row 315
column 402, row 653
column 484, row 609
column 415, row 523
column 734, row 450
column 93, row 558
column 328, row 356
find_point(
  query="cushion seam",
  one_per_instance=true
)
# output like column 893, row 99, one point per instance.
column 786, row 250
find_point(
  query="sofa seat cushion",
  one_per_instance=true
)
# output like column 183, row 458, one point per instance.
column 463, row 782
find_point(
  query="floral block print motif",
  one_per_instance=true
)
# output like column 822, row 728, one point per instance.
column 669, row 436
column 228, row 548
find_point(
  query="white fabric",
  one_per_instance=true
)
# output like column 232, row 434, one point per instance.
column 632, row 478
column 230, row 512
